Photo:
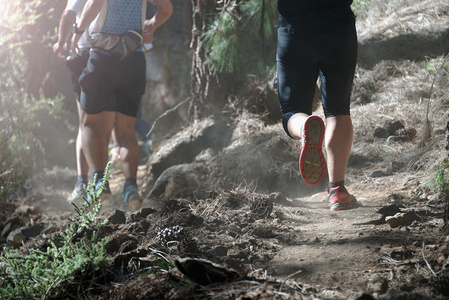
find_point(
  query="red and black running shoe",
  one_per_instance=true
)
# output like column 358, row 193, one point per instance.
column 340, row 199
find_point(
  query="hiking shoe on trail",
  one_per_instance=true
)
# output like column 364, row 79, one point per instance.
column 340, row 199
column 105, row 195
column 311, row 161
column 131, row 199
column 78, row 195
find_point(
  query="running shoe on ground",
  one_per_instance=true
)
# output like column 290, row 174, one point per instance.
column 340, row 199
column 131, row 199
column 311, row 161
column 78, row 195
column 103, row 195
column 147, row 145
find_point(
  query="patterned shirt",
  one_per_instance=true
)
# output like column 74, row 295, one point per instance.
column 119, row 16
column 123, row 15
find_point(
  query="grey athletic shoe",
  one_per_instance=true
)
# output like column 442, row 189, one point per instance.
column 78, row 195
column 131, row 199
column 103, row 195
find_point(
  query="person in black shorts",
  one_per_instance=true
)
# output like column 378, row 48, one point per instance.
column 111, row 89
column 317, row 38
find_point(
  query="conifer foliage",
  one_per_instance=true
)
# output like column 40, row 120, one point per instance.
column 231, row 30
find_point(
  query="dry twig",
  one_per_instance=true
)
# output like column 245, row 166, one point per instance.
column 425, row 260
column 288, row 277
column 164, row 114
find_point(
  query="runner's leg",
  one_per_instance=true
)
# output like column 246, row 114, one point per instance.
column 81, row 162
column 96, row 133
column 338, row 143
column 129, row 149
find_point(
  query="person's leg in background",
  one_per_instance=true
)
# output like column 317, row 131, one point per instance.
column 75, row 66
column 143, row 128
column 96, row 133
column 129, row 149
column 128, row 98
column 81, row 163
column 129, row 156
column 114, row 152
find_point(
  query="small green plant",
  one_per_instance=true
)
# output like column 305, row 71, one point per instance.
column 77, row 249
column 438, row 181
column 159, row 264
column 428, row 67
column 446, row 68
column 4, row 185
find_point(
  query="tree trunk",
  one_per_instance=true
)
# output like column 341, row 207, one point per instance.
column 208, row 94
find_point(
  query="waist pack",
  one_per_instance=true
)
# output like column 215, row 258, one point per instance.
column 119, row 45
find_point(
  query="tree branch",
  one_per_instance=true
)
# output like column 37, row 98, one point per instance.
column 164, row 114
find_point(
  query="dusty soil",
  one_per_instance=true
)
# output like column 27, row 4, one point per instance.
column 301, row 250
column 281, row 239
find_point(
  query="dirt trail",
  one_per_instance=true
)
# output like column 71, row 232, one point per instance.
column 340, row 250
column 331, row 255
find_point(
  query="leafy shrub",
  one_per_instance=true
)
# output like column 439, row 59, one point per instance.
column 78, row 249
